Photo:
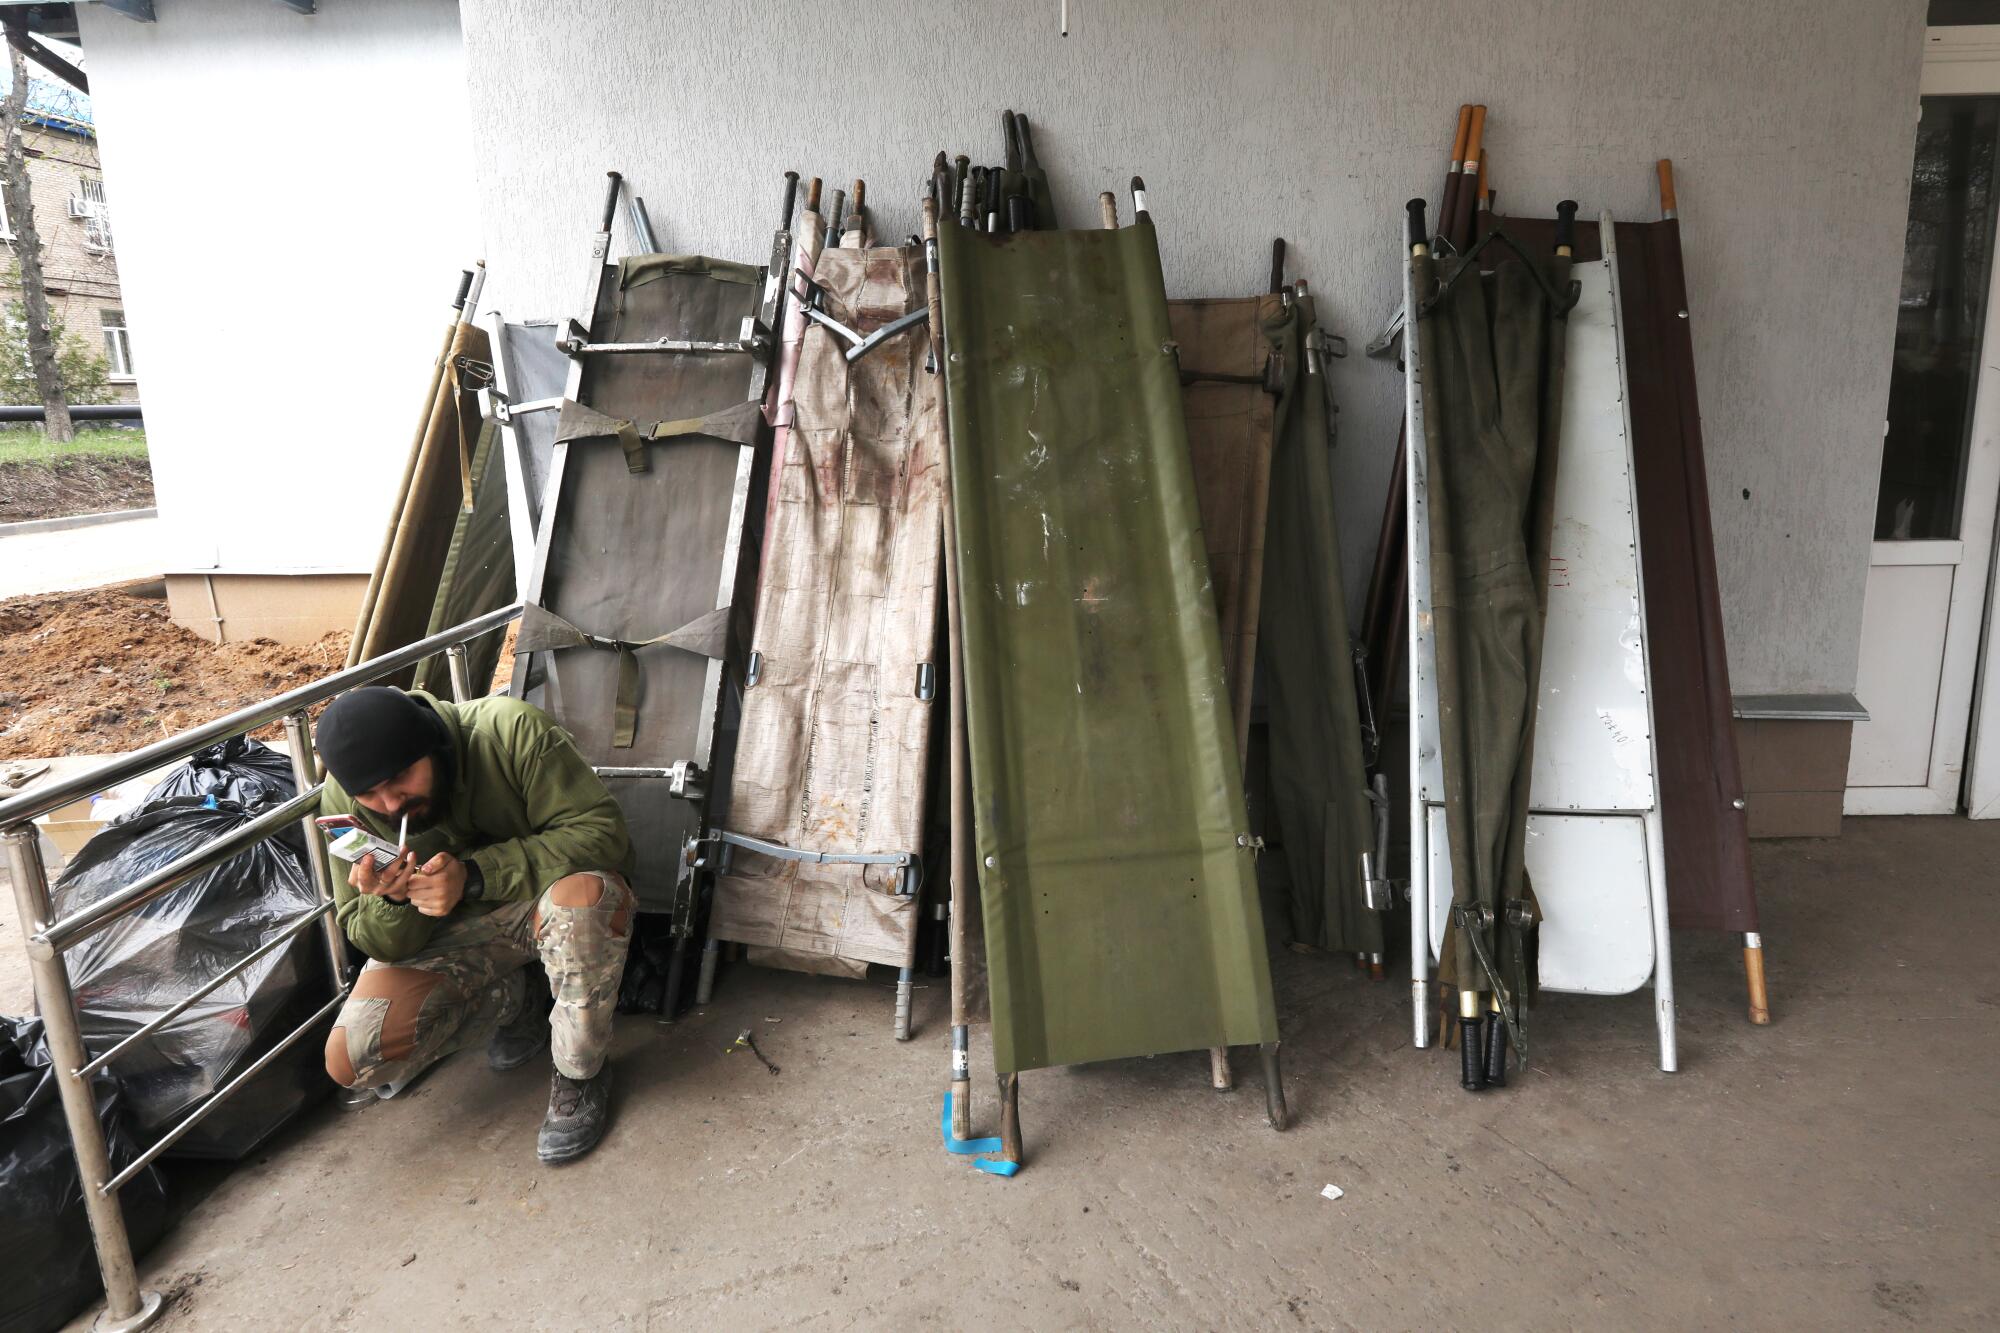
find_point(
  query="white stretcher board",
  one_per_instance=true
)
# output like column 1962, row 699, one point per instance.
column 1594, row 851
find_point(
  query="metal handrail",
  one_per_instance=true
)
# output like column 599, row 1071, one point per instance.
column 126, row 1306
column 31, row 804
column 72, row 930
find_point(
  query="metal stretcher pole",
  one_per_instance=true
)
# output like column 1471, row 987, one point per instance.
column 1420, row 897
column 960, row 1086
column 369, row 598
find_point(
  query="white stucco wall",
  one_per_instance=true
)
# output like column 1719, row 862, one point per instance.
column 294, row 201
column 1791, row 124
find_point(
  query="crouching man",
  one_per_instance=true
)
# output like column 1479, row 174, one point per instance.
column 516, row 864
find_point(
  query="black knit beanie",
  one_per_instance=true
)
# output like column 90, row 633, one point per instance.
column 369, row 735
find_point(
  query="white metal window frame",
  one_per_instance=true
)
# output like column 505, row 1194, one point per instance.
column 1965, row 61
column 95, row 213
column 117, row 346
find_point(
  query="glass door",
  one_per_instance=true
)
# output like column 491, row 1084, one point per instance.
column 1924, row 615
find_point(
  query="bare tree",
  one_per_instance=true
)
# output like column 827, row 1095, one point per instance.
column 28, row 251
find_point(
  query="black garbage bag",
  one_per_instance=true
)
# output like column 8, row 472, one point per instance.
column 50, row 1265
column 247, row 772
column 144, row 964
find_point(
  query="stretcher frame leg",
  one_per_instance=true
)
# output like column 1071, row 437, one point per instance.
column 1753, row 978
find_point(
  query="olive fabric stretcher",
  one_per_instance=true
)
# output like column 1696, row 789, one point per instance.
column 1120, row 905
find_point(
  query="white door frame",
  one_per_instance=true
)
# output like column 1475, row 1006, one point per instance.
column 1959, row 61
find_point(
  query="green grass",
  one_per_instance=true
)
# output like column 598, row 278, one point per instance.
column 29, row 445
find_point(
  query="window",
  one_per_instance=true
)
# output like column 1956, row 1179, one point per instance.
column 117, row 343
column 89, row 205
column 6, row 223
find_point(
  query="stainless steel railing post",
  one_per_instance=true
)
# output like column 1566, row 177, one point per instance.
column 461, row 677
column 126, row 1306
column 305, row 771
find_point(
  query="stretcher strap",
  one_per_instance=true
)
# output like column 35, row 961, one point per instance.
column 542, row 630
column 732, row 425
column 638, row 270
column 467, row 376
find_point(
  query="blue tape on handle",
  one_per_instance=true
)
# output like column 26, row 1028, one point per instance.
column 963, row 1146
column 969, row 1147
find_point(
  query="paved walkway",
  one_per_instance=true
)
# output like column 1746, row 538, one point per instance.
column 1832, row 1170
column 81, row 557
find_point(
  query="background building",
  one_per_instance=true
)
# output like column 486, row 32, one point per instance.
column 73, row 216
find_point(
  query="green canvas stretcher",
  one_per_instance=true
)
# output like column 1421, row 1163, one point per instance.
column 1119, row 896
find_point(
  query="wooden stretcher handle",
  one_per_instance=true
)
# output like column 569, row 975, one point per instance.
column 1668, row 208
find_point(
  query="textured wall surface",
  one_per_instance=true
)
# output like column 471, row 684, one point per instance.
column 1791, row 124
column 293, row 201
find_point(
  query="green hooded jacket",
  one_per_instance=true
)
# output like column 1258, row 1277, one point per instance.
column 524, row 807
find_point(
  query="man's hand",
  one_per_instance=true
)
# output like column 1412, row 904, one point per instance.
column 392, row 883
column 438, row 885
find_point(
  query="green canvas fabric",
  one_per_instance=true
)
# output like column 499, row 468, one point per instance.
column 1317, row 783
column 478, row 573
column 1120, row 903
column 638, row 270
column 1491, row 360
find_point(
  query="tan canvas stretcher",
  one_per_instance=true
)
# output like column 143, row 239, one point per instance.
column 832, row 757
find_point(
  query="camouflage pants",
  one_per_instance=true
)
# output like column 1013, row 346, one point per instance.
column 456, row 992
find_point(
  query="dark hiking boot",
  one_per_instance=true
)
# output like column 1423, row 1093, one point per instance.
column 525, row 1035
column 579, row 1109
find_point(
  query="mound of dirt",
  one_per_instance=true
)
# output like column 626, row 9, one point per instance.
column 103, row 671
column 84, row 485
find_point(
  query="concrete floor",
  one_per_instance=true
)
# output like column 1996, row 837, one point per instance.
column 1835, row 1170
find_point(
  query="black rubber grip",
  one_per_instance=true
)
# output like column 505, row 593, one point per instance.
column 611, row 199
column 1471, row 1056
column 1418, row 234
column 1277, row 263
column 791, row 199
column 464, row 289
column 1020, row 214
column 1496, row 1052
column 1566, row 225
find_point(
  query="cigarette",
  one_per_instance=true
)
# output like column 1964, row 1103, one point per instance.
column 403, row 835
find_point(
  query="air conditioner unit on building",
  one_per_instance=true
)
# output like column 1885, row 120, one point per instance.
column 80, row 207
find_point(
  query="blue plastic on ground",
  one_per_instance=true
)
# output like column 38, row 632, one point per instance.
column 968, row 1147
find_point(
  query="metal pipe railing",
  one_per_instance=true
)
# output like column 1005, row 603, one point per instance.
column 126, row 1306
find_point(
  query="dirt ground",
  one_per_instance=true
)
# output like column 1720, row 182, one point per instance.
column 104, row 670
column 74, row 486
